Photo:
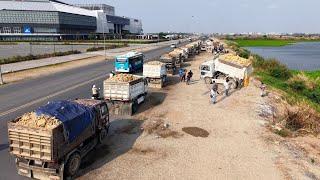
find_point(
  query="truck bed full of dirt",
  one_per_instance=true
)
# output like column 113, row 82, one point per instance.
column 31, row 120
column 122, row 78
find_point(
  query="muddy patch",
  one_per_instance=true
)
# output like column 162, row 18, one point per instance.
column 131, row 128
column 161, row 129
column 141, row 151
column 196, row 132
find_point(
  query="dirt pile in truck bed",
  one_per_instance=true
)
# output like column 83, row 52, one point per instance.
column 33, row 121
column 154, row 63
column 122, row 78
column 235, row 59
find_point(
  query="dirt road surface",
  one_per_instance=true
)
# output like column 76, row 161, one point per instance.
column 178, row 134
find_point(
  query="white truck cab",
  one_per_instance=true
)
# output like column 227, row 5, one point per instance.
column 207, row 71
column 218, row 70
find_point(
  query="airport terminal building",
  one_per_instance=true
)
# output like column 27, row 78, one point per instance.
column 55, row 20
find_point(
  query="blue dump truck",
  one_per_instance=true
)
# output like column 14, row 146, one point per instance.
column 50, row 142
column 129, row 63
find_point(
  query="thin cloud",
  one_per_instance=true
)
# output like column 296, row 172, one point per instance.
column 273, row 6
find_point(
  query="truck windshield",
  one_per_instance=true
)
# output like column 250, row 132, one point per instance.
column 121, row 60
column 205, row 68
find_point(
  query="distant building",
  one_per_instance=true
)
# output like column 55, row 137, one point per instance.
column 53, row 20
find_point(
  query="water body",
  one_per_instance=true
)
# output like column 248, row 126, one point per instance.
column 298, row 56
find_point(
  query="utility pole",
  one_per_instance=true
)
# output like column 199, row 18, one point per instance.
column 1, row 79
column 104, row 41
column 30, row 48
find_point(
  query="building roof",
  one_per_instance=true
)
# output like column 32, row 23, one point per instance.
column 44, row 5
column 129, row 55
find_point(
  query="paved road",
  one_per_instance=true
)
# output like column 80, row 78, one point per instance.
column 25, row 96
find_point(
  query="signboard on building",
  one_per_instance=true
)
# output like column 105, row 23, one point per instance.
column 27, row 30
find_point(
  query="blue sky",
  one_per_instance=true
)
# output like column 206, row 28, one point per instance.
column 220, row 15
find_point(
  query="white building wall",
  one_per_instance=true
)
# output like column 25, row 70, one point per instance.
column 102, row 24
column 135, row 26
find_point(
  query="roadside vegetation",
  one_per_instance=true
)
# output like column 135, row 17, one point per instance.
column 15, row 59
column 70, row 42
column 113, row 46
column 297, row 84
column 301, row 89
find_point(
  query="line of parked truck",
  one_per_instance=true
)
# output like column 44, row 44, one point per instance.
column 56, row 152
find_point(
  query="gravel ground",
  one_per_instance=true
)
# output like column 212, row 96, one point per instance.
column 233, row 149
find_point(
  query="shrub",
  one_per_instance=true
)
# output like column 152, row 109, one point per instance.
column 257, row 61
column 297, row 85
column 243, row 53
column 314, row 96
column 276, row 69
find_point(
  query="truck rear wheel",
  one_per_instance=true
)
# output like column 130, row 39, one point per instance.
column 72, row 165
column 233, row 84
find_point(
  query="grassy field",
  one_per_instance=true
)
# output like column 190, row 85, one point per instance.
column 263, row 42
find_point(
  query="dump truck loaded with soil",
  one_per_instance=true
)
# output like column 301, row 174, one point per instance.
column 50, row 142
column 230, row 66
column 170, row 63
column 156, row 73
column 124, row 93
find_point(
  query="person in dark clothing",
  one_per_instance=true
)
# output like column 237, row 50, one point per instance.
column 189, row 76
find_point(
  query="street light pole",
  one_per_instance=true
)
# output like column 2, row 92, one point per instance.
column 1, row 80
column 104, row 41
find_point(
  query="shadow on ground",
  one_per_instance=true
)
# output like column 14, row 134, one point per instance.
column 122, row 136
column 153, row 99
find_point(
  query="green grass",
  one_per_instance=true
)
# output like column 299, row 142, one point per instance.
column 263, row 42
column 278, row 76
column 313, row 74
column 291, row 95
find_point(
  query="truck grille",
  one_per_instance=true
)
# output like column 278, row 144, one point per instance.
column 30, row 145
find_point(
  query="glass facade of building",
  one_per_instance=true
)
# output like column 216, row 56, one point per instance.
column 45, row 22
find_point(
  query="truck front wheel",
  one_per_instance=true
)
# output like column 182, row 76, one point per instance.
column 134, row 107
column 72, row 165
column 207, row 80
column 102, row 135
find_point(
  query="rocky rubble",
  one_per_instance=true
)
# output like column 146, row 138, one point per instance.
column 122, row 78
column 33, row 121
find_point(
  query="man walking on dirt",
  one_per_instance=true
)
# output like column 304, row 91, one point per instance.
column 189, row 76
column 226, row 87
column 182, row 75
column 214, row 92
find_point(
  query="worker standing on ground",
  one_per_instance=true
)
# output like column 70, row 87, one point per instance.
column 95, row 92
column 189, row 76
column 226, row 87
column 111, row 74
column 263, row 88
column 214, row 92
column 181, row 74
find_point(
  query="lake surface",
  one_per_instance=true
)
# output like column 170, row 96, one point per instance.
column 299, row 56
